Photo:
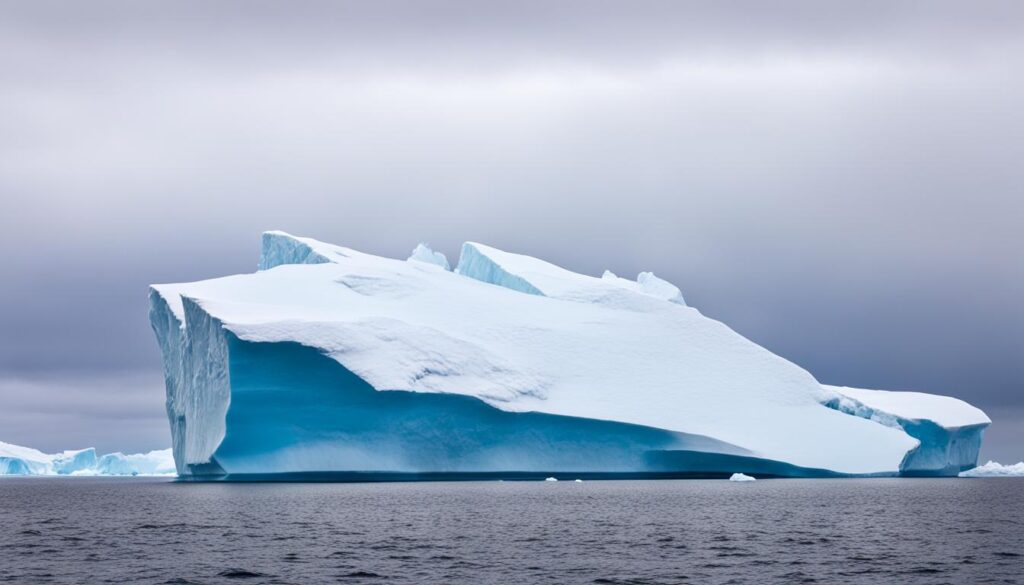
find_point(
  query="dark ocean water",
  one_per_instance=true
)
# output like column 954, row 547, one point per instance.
column 82, row 530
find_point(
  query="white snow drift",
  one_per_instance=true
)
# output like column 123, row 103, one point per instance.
column 514, row 335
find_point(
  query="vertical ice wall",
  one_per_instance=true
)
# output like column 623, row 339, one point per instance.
column 196, row 375
column 949, row 431
column 280, row 248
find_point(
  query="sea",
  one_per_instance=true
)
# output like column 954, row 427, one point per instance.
column 144, row 530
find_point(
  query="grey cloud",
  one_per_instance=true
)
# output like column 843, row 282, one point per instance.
column 112, row 411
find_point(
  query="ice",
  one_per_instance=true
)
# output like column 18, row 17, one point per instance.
column 280, row 248
column 551, row 479
column 948, row 430
column 152, row 463
column 424, row 254
column 333, row 360
column 993, row 469
column 16, row 460
column 70, row 462
column 537, row 277
column 741, row 477
column 475, row 263
column 649, row 284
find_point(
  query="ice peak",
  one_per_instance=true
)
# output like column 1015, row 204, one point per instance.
column 283, row 248
column 657, row 287
column 493, row 266
column 423, row 253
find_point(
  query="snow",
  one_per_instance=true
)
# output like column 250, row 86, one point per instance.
column 949, row 431
column 280, row 248
column 519, row 334
column 741, row 477
column 423, row 253
column 16, row 460
column 151, row 463
column 537, row 277
column 70, row 462
column 993, row 469
column 649, row 284
column 945, row 411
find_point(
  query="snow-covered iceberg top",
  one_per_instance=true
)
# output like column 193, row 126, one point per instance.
column 993, row 469
column 523, row 336
column 741, row 477
column 16, row 460
column 887, row 407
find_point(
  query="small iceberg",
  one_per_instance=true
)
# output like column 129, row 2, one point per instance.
column 578, row 481
column 993, row 469
column 551, row 479
column 741, row 477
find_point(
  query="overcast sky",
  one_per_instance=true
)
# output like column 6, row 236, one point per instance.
column 841, row 182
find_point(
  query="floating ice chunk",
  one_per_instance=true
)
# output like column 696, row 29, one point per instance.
column 424, row 254
column 551, row 479
column 993, row 469
column 741, row 477
column 578, row 481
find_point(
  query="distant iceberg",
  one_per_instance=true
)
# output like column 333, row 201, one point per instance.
column 330, row 360
column 741, row 477
column 15, row 460
column 993, row 469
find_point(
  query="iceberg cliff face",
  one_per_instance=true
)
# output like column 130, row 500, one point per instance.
column 948, row 430
column 332, row 360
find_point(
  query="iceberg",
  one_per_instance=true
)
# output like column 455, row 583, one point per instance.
column 948, row 430
column 16, row 460
column 152, row 463
column 741, row 477
column 328, row 360
column 993, row 469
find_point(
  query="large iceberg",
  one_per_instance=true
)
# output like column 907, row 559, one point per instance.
column 16, row 460
column 332, row 361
